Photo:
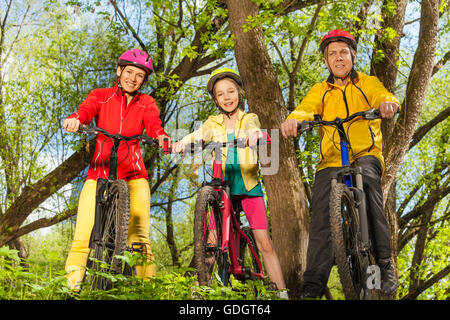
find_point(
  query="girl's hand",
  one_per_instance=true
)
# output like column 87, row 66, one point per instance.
column 178, row 147
column 71, row 125
column 252, row 140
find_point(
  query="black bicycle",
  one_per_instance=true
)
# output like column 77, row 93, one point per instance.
column 110, row 232
column 352, row 245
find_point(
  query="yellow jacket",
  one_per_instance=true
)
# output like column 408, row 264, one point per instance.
column 331, row 101
column 213, row 129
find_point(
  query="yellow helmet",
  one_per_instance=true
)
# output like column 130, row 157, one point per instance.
column 220, row 74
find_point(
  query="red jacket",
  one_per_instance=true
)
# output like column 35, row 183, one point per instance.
column 108, row 106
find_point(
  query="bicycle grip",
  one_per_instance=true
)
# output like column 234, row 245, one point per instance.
column 166, row 146
column 265, row 138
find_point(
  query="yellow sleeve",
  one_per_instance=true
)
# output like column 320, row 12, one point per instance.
column 377, row 93
column 205, row 133
column 252, row 124
column 310, row 105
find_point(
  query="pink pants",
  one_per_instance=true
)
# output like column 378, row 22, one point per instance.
column 255, row 211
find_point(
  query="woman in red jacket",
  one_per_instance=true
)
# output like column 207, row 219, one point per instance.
column 120, row 109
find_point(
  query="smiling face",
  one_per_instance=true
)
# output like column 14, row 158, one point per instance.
column 131, row 78
column 226, row 94
column 338, row 58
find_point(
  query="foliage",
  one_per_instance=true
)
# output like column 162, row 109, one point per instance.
column 66, row 48
column 18, row 282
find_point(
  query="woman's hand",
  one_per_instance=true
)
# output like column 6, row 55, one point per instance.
column 71, row 125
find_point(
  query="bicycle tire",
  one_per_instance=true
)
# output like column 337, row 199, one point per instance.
column 207, row 253
column 352, row 262
column 246, row 259
column 115, row 218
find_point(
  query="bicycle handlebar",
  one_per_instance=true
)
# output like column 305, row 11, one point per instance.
column 85, row 129
column 236, row 143
column 370, row 114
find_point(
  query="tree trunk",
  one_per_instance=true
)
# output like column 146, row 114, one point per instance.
column 397, row 145
column 170, row 229
column 396, row 136
column 286, row 196
column 386, row 69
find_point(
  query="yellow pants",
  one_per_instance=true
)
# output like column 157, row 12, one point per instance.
column 138, row 229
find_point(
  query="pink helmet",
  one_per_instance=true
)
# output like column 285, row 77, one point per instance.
column 138, row 58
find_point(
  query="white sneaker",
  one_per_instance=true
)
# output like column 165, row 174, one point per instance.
column 283, row 295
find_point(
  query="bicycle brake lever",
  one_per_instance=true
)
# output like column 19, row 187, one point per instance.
column 240, row 143
column 83, row 128
column 372, row 114
column 303, row 127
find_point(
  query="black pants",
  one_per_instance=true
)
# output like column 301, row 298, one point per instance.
column 320, row 256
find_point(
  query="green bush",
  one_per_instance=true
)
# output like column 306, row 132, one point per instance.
column 18, row 282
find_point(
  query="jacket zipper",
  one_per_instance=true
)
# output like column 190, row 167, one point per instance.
column 121, row 115
column 345, row 101
column 320, row 147
column 371, row 136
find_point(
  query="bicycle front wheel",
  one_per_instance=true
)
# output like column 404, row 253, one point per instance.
column 114, row 234
column 207, row 238
column 352, row 262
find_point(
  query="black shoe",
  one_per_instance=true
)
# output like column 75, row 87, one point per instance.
column 309, row 296
column 389, row 283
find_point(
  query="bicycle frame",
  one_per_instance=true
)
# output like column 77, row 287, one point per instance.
column 348, row 173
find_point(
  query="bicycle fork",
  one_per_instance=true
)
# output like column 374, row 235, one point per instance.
column 360, row 199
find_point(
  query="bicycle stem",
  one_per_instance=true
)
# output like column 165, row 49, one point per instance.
column 113, row 160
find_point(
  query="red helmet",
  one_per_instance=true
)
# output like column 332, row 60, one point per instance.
column 137, row 58
column 337, row 35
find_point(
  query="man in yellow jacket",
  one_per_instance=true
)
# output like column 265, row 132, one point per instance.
column 345, row 92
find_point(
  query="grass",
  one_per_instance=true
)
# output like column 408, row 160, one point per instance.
column 21, row 280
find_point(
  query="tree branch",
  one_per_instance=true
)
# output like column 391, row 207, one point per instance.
column 441, row 63
column 45, row 222
column 127, row 23
column 423, row 130
column 427, row 284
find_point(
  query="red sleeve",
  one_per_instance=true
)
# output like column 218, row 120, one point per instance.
column 88, row 109
column 152, row 121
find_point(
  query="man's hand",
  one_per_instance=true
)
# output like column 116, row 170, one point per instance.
column 289, row 128
column 388, row 109
column 71, row 125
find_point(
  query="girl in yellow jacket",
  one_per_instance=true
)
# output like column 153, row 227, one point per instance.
column 240, row 165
